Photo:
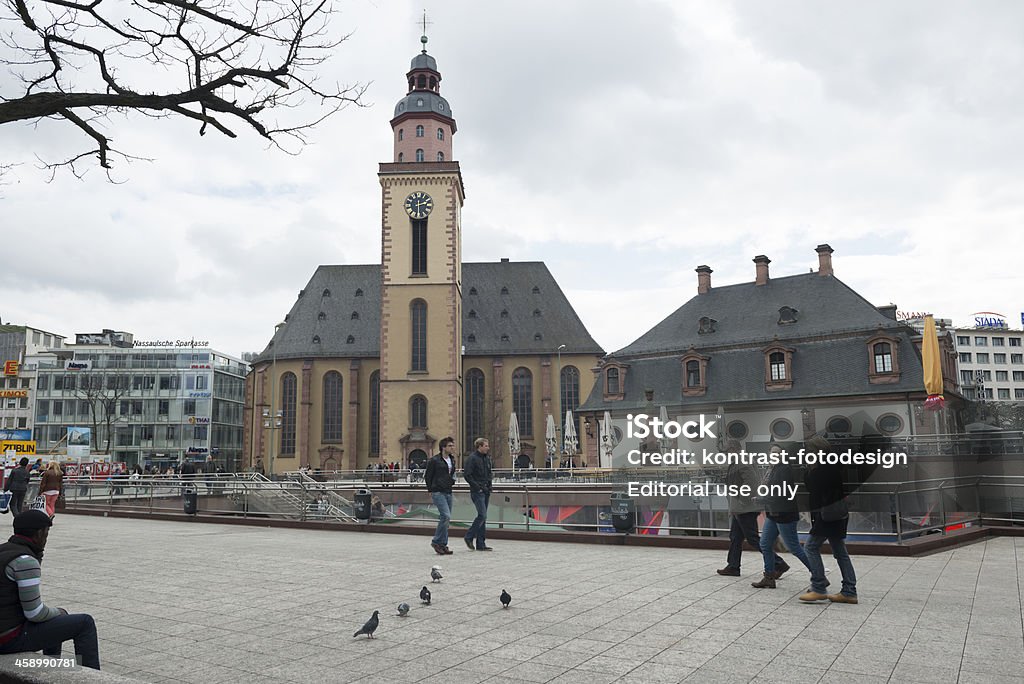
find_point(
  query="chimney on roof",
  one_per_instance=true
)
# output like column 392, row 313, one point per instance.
column 703, row 279
column 761, row 265
column 824, row 259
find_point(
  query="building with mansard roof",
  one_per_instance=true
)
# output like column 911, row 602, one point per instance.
column 775, row 359
column 377, row 363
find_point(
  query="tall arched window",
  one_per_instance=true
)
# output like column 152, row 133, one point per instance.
column 375, row 413
column 333, row 407
column 419, row 247
column 440, row 134
column 569, row 393
column 419, row 155
column 401, row 134
column 474, row 406
column 419, row 131
column 401, row 157
column 288, row 398
column 418, row 412
column 883, row 357
column 418, row 317
column 440, row 156
column 522, row 400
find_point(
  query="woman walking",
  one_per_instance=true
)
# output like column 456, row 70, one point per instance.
column 49, row 486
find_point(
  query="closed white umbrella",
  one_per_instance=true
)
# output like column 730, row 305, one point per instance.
column 550, row 437
column 513, row 437
column 571, row 443
column 607, row 440
column 663, row 443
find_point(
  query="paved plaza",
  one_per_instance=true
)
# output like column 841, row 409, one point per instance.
column 193, row 602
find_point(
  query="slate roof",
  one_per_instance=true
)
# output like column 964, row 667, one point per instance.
column 498, row 286
column 821, row 368
column 829, row 336
column 747, row 313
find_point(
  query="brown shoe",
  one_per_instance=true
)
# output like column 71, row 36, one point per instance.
column 447, row 551
column 781, row 569
column 841, row 598
column 812, row 596
column 729, row 571
column 767, row 582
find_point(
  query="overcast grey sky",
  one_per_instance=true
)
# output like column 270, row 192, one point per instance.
column 623, row 143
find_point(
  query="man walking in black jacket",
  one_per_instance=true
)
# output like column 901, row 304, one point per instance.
column 17, row 485
column 478, row 473
column 440, row 478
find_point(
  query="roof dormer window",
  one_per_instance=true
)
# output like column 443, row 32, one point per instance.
column 695, row 374
column 707, row 325
column 778, row 367
column 787, row 314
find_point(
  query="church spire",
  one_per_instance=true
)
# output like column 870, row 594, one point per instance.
column 423, row 125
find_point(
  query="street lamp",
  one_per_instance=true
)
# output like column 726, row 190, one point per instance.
column 559, row 427
column 273, row 420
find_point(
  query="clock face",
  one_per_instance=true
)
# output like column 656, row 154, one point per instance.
column 418, row 205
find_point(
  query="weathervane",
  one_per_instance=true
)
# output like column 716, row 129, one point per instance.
column 423, row 38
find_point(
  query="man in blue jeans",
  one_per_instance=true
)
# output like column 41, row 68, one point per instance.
column 829, row 519
column 478, row 474
column 781, row 515
column 440, row 477
column 26, row 623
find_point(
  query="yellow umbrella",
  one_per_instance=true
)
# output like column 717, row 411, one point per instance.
column 932, row 366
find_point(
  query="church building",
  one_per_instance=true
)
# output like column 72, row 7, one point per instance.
column 377, row 363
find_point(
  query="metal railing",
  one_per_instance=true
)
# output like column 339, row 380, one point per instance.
column 880, row 511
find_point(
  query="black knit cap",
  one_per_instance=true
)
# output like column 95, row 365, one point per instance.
column 31, row 521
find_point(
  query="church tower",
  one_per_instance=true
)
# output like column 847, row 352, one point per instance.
column 421, row 274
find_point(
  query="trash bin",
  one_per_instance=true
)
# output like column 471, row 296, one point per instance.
column 623, row 512
column 191, row 495
column 361, row 503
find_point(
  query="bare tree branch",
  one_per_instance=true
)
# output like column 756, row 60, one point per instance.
column 213, row 62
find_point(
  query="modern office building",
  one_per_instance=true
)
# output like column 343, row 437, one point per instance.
column 143, row 402
column 990, row 358
column 20, row 347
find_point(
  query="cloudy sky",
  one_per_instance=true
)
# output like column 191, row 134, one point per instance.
column 623, row 143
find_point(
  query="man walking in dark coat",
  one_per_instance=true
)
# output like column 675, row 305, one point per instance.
column 829, row 519
column 743, row 513
column 17, row 485
column 440, row 477
column 478, row 473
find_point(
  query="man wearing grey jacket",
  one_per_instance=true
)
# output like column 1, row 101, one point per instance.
column 743, row 513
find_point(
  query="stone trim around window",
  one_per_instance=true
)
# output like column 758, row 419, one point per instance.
column 783, row 383
column 700, row 387
column 884, row 377
column 615, row 369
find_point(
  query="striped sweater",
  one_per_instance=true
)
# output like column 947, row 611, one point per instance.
column 20, row 595
column 27, row 574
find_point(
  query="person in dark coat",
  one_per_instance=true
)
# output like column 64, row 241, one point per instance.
column 743, row 514
column 478, row 472
column 780, row 519
column 827, row 498
column 440, row 479
column 17, row 485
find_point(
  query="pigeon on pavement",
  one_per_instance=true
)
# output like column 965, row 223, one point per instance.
column 435, row 573
column 506, row 598
column 403, row 609
column 425, row 595
column 370, row 627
